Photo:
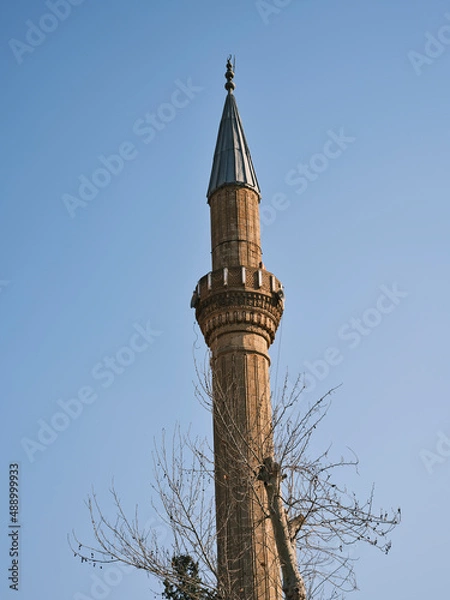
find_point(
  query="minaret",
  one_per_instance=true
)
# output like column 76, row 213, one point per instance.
column 238, row 307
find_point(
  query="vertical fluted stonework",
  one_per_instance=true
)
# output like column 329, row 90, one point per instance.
column 235, row 227
column 238, row 315
column 248, row 566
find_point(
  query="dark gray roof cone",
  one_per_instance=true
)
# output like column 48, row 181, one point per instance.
column 232, row 162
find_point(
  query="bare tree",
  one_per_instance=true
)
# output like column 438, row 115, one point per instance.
column 315, row 519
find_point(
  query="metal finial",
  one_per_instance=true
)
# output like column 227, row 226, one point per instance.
column 229, row 76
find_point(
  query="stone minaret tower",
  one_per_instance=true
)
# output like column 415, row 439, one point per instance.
column 238, row 307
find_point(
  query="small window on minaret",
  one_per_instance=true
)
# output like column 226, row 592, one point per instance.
column 225, row 276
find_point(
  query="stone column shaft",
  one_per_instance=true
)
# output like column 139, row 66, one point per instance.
column 239, row 307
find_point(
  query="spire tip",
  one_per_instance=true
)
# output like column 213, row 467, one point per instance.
column 229, row 75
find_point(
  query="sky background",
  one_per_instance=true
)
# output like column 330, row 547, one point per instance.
column 74, row 287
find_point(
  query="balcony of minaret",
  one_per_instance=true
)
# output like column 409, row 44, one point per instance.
column 238, row 298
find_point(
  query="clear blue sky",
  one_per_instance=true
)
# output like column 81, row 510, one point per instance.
column 76, row 288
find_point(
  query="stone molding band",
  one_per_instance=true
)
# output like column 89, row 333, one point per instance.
column 247, row 311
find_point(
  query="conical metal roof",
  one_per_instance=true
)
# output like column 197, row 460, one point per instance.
column 232, row 162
